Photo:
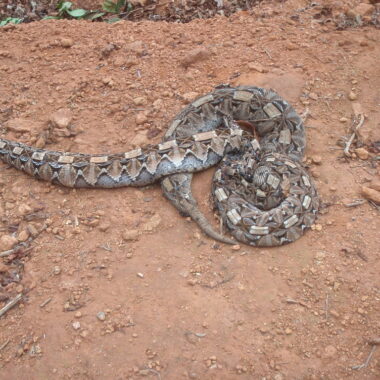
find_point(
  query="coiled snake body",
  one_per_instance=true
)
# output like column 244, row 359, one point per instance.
column 264, row 195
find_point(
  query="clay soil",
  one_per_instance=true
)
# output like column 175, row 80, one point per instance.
column 165, row 301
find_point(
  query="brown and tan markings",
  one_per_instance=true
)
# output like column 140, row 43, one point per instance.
column 263, row 193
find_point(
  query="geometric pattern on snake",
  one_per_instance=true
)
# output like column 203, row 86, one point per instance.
column 264, row 195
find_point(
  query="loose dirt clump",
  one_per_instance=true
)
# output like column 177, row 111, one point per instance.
column 115, row 284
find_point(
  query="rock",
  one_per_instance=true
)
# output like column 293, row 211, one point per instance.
column 136, row 47
column 20, row 125
column 313, row 96
column 101, row 315
column 317, row 159
column 24, row 209
column 361, row 311
column 362, row 153
column 343, row 120
column 315, row 172
column 32, row 229
column 158, row 104
column 140, row 139
column 7, row 242
column 66, row 42
column 257, row 67
column 371, row 194
column 23, row 235
column 108, row 81
column 153, row 223
column 139, row 101
column 130, row 235
column 76, row 325
column 361, row 10
column 141, row 118
column 104, row 226
column 107, row 50
column 61, row 118
column 352, row 96
column 196, row 55
column 291, row 46
column 189, row 96
column 57, row 270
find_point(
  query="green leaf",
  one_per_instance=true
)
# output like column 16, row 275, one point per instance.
column 51, row 18
column 112, row 7
column 94, row 16
column 77, row 13
column 10, row 20
column 64, row 6
column 108, row 6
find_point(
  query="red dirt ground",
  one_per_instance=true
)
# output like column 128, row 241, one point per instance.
column 175, row 304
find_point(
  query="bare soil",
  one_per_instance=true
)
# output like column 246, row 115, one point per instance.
column 170, row 303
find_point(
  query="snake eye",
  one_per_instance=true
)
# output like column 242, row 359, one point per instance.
column 248, row 177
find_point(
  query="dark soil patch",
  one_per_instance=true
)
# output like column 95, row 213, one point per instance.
column 179, row 11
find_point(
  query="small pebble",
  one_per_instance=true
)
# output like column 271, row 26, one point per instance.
column 139, row 101
column 101, row 315
column 313, row 96
column 67, row 42
column 352, row 96
column 76, row 325
column 141, row 118
column 317, row 159
column 130, row 235
column 189, row 97
column 362, row 153
column 7, row 242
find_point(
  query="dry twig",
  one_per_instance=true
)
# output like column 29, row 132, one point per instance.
column 5, row 344
column 356, row 202
column 291, row 301
column 346, row 150
column 365, row 364
column 43, row 304
column 10, row 304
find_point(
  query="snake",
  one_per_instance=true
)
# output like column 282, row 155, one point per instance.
column 262, row 191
